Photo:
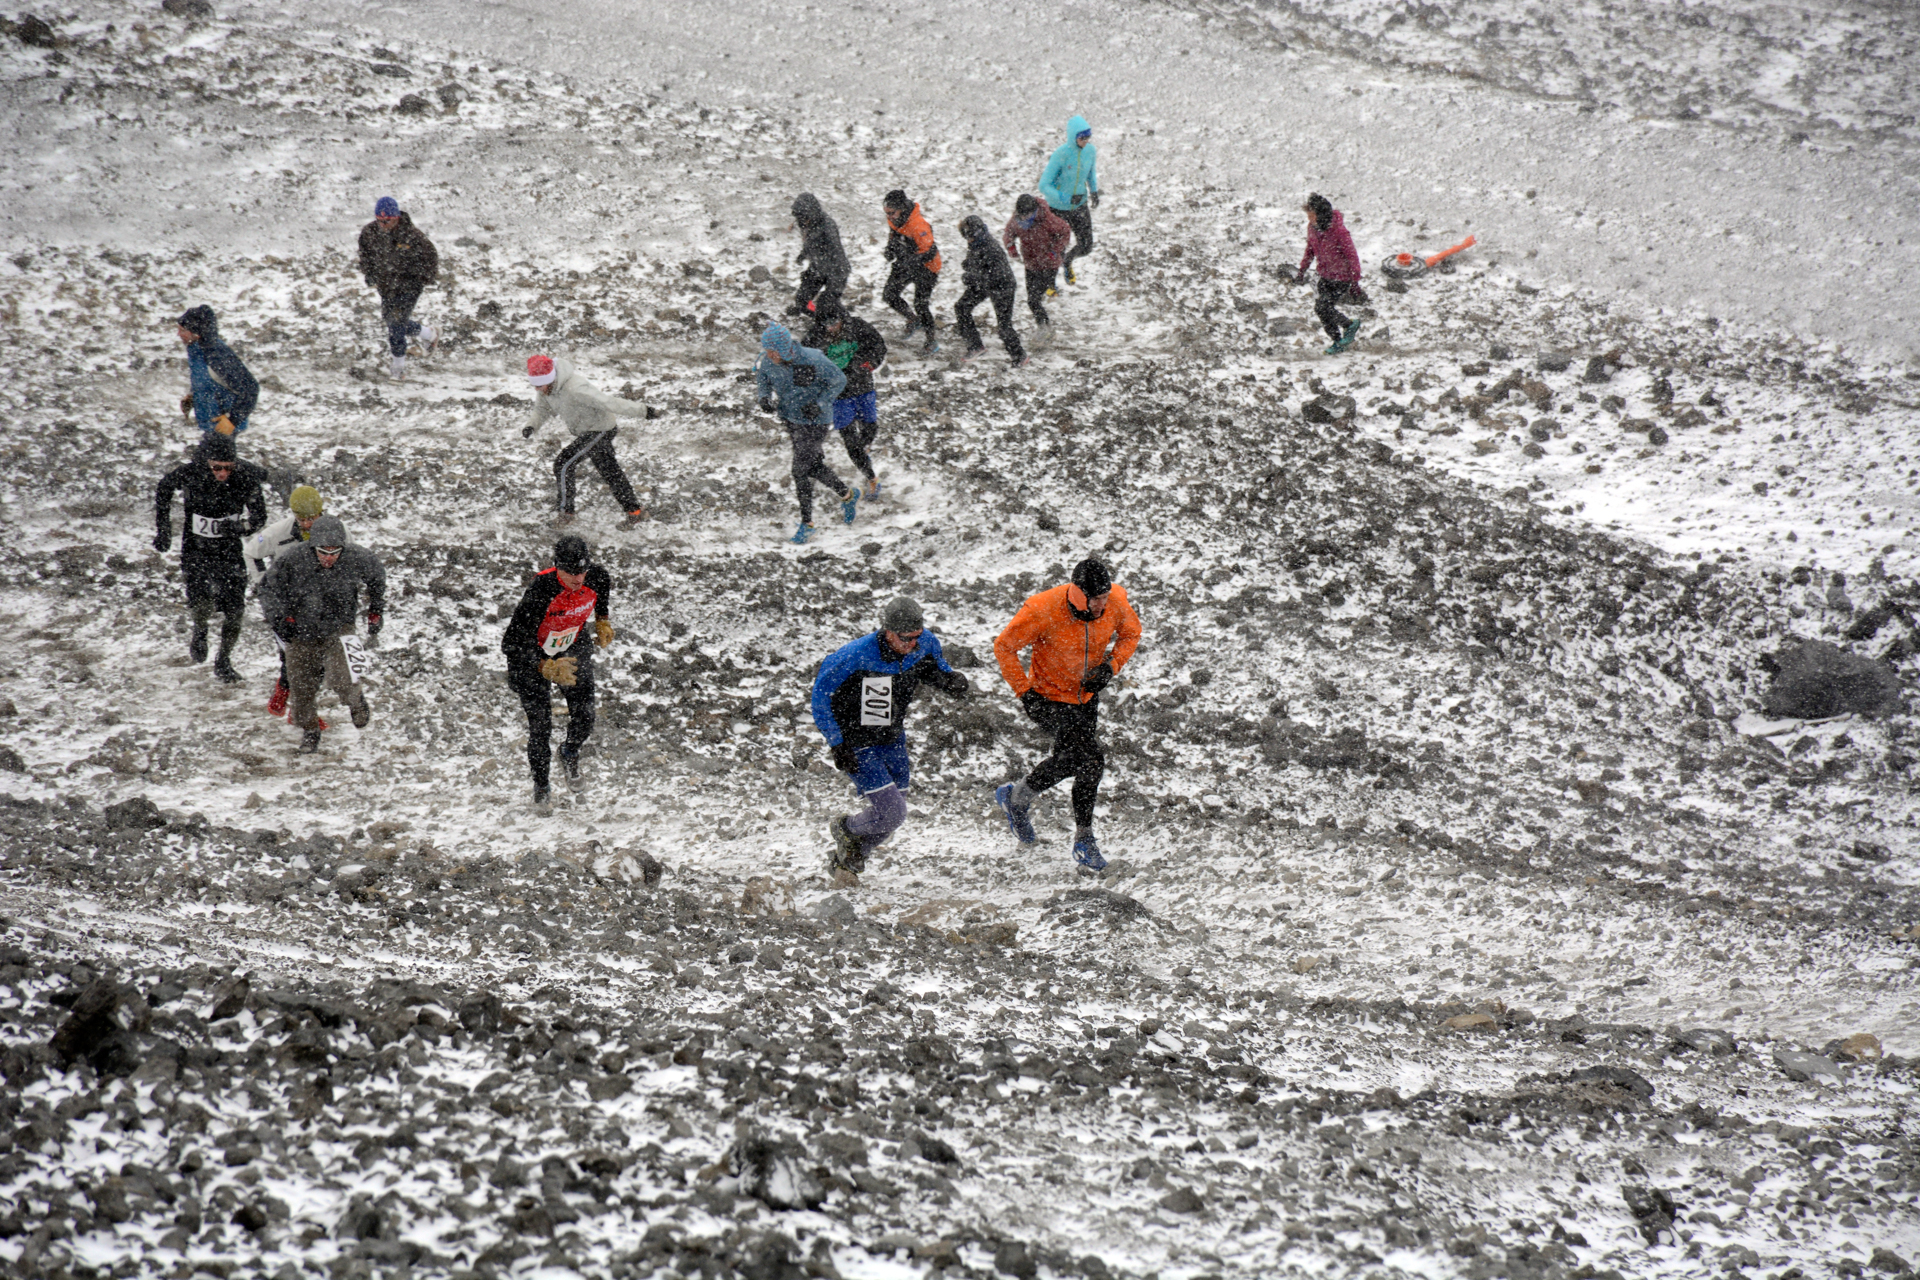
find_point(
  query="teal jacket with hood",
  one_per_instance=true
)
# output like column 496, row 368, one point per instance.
column 1069, row 177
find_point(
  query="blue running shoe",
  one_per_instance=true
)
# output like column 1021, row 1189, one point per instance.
column 1347, row 336
column 800, row 535
column 849, row 505
column 1017, row 820
column 1086, row 852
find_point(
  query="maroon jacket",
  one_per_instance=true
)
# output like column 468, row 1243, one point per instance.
column 1334, row 248
column 1043, row 245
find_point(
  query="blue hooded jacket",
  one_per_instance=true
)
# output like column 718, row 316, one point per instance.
column 219, row 381
column 863, row 690
column 1069, row 177
column 805, row 386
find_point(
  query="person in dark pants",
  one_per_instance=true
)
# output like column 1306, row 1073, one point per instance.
column 593, row 416
column 800, row 383
column 860, row 702
column 1080, row 634
column 545, row 645
column 825, row 278
column 856, row 349
column 1072, row 187
column 222, row 504
column 987, row 275
column 1329, row 242
column 1037, row 238
column 399, row 262
column 916, row 261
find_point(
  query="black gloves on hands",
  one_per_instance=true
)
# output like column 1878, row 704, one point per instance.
column 163, row 539
column 1097, row 678
column 844, row 759
column 767, row 406
column 1031, row 701
column 951, row 683
column 1094, row 199
column 526, row 432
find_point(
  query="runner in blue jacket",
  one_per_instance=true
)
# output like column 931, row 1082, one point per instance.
column 800, row 384
column 860, row 702
column 1071, row 187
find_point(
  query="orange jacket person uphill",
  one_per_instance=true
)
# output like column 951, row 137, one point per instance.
column 545, row 643
column 1080, row 634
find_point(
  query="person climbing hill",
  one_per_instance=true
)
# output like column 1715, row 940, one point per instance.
column 916, row 261
column 1072, row 187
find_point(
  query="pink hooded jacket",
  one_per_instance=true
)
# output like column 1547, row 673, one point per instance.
column 1334, row 248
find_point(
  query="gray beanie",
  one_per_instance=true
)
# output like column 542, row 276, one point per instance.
column 902, row 614
column 327, row 531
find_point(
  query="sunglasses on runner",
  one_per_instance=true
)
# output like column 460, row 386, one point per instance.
column 328, row 551
column 219, row 466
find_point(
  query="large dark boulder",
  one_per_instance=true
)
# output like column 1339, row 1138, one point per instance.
column 1814, row 680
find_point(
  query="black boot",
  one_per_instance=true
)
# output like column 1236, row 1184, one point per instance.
column 309, row 742
column 229, row 636
column 197, row 643
column 570, row 760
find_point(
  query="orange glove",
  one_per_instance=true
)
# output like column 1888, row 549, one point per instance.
column 560, row 670
column 223, row 424
column 602, row 632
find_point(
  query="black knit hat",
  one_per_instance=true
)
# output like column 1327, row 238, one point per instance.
column 570, row 553
column 1026, row 205
column 1093, row 578
column 895, row 199
column 215, row 447
column 829, row 311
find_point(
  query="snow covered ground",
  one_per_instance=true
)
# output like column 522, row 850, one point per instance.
column 1430, row 789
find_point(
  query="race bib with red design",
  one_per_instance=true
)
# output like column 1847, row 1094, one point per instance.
column 568, row 612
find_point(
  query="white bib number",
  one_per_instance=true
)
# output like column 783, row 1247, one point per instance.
column 210, row 527
column 359, row 661
column 560, row 641
column 876, row 700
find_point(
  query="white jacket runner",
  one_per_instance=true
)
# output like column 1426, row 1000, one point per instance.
column 584, row 407
column 264, row 547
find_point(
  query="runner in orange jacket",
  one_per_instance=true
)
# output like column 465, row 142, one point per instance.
column 1080, row 634
column 916, row 262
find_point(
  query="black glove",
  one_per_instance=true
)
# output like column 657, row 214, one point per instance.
column 1078, row 200
column 163, row 539
column 844, row 758
column 526, row 432
column 1094, row 199
column 1031, row 701
column 1097, row 678
column 954, row 683
column 767, row 406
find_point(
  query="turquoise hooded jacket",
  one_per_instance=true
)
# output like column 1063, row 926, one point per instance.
column 1069, row 174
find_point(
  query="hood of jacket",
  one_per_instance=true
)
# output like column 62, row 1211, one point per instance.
column 898, row 218
column 974, row 227
column 807, row 211
column 779, row 340
column 202, row 321
column 328, row 531
column 1076, row 126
